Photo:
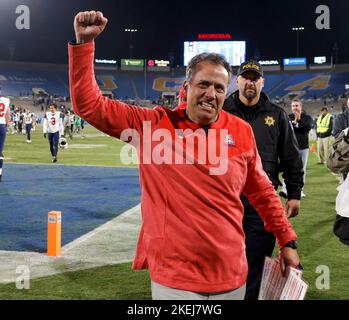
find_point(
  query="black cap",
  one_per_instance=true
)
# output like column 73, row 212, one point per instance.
column 250, row 65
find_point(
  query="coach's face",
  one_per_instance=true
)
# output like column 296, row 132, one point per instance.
column 206, row 91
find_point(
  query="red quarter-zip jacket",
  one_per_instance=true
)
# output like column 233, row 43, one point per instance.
column 191, row 236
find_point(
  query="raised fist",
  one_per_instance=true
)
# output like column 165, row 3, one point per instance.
column 88, row 25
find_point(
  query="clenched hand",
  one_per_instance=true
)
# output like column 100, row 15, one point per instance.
column 88, row 25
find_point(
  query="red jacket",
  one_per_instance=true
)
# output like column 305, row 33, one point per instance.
column 191, row 236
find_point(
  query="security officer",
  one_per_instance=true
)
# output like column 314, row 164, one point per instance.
column 324, row 125
column 278, row 149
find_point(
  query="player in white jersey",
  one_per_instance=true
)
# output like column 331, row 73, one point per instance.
column 33, row 115
column 28, row 121
column 53, row 127
column 4, row 122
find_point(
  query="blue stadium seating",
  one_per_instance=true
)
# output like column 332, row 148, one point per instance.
column 17, row 80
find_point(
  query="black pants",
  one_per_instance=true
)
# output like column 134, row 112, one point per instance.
column 53, row 139
column 28, row 128
column 259, row 244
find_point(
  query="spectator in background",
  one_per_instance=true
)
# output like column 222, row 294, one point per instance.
column 82, row 125
column 67, row 122
column 301, row 123
column 33, row 115
column 324, row 125
column 12, row 122
column 72, row 121
column 15, row 120
column 77, row 125
column 20, row 122
column 342, row 121
column 4, row 123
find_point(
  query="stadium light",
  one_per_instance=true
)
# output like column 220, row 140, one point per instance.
column 297, row 29
column 131, row 31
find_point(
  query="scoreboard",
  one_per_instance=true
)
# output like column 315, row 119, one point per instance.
column 234, row 51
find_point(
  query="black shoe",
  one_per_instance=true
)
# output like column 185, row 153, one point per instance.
column 283, row 194
column 54, row 159
column 0, row 177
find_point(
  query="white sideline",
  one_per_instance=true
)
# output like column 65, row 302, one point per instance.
column 102, row 228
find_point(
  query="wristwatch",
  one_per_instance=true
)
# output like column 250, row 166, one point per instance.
column 292, row 244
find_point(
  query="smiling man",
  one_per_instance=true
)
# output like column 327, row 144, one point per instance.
column 278, row 149
column 191, row 240
column 205, row 100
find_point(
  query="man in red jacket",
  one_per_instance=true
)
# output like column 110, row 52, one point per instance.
column 191, row 240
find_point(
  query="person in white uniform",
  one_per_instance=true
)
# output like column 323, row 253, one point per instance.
column 4, row 123
column 53, row 128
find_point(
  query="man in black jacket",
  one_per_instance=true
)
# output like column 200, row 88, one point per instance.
column 301, row 123
column 278, row 149
column 341, row 122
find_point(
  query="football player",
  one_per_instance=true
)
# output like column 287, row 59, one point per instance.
column 28, row 121
column 53, row 128
column 4, row 123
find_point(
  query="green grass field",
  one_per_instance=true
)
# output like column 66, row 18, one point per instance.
column 95, row 149
column 317, row 245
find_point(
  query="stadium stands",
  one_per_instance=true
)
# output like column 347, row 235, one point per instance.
column 17, row 80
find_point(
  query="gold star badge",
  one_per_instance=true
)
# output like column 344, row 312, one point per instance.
column 269, row 121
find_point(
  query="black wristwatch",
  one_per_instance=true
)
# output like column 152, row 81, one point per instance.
column 292, row 244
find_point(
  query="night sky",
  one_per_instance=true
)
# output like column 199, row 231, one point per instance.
column 164, row 26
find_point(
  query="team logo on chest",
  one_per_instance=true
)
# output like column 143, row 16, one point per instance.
column 269, row 121
column 229, row 140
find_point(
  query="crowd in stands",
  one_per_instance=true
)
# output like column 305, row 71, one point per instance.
column 335, row 104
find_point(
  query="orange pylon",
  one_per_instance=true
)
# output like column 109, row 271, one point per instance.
column 54, row 233
column 312, row 148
